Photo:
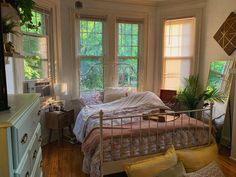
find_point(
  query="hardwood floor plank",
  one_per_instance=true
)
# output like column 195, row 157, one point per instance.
column 65, row 160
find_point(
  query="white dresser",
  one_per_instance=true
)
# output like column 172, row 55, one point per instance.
column 20, row 137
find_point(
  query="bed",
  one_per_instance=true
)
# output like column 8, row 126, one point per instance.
column 136, row 127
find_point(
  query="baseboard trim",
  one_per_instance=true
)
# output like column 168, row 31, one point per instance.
column 232, row 158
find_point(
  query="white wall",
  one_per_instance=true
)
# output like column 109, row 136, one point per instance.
column 216, row 13
column 66, row 70
column 180, row 10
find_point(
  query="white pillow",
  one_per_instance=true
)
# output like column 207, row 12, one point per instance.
column 114, row 93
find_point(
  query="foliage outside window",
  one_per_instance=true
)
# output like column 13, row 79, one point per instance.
column 35, row 47
column 179, row 36
column 91, row 55
column 128, row 54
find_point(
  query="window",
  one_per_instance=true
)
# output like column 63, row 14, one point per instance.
column 35, row 47
column 128, row 54
column 91, row 55
column 179, row 37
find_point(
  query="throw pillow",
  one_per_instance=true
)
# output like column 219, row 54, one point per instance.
column 114, row 93
column 175, row 171
column 211, row 170
column 152, row 166
column 195, row 159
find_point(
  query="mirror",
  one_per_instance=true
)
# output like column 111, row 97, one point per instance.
column 221, row 79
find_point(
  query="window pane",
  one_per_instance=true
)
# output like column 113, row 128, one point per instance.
column 91, row 56
column 39, row 20
column 91, row 38
column 179, row 34
column 91, row 74
column 128, row 53
column 35, row 50
column 175, row 72
column 178, row 51
column 128, row 42
column 35, row 68
column 128, row 73
column 35, row 46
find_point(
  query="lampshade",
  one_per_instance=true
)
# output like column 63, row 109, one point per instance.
column 60, row 89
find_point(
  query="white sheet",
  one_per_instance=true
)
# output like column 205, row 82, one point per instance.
column 136, row 100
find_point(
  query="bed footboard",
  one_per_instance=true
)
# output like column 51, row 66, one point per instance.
column 130, row 138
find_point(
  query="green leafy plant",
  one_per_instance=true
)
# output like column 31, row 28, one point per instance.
column 32, row 68
column 192, row 96
column 9, row 25
column 24, row 9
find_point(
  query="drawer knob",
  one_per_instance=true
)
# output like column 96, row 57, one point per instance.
column 35, row 154
column 24, row 139
column 27, row 174
column 39, row 112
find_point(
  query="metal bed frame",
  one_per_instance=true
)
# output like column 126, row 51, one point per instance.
column 116, row 166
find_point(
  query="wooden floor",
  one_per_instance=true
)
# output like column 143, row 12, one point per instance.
column 65, row 160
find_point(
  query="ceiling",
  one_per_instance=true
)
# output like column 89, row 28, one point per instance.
column 148, row 2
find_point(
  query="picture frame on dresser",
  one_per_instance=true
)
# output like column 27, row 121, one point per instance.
column 20, row 137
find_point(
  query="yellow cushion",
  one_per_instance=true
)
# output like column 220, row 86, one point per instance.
column 195, row 159
column 152, row 166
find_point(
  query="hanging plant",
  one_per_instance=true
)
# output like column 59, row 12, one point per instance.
column 24, row 9
column 9, row 26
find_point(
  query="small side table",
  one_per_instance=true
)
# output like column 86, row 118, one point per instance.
column 58, row 120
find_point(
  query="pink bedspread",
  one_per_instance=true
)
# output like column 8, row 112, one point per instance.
column 145, row 128
column 150, row 137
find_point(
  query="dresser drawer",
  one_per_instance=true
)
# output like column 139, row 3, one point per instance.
column 37, row 170
column 24, row 169
column 35, row 146
column 23, row 132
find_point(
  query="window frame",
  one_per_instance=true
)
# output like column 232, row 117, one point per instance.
column 48, row 36
column 140, row 57
column 191, row 58
column 102, row 57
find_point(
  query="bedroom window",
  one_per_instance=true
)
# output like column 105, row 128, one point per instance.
column 179, row 37
column 128, row 54
column 91, row 55
column 36, row 47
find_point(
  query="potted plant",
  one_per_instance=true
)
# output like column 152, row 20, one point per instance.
column 193, row 96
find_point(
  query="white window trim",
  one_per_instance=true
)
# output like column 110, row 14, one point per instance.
column 18, row 65
column 168, row 14
column 97, row 17
column 191, row 58
column 50, row 59
column 110, row 47
column 140, row 56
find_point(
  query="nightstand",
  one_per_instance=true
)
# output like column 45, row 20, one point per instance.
column 58, row 120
